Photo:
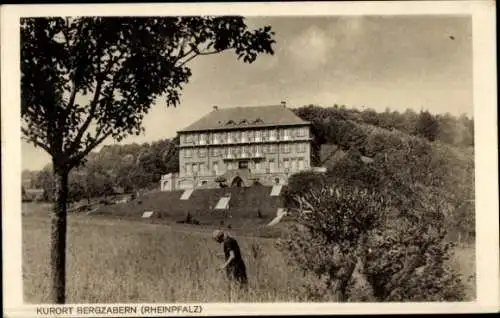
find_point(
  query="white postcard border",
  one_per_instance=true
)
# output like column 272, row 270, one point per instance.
column 483, row 13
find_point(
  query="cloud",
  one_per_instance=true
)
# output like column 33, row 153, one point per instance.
column 310, row 48
column 318, row 43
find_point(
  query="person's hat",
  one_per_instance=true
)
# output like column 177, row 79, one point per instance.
column 217, row 234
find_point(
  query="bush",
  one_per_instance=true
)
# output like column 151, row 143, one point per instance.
column 358, row 247
column 299, row 183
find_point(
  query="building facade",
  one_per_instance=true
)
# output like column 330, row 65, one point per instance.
column 242, row 146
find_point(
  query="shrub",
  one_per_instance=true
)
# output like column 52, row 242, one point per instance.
column 301, row 182
column 358, row 246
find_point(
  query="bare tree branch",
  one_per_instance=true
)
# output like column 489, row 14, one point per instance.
column 78, row 157
column 93, row 104
column 198, row 54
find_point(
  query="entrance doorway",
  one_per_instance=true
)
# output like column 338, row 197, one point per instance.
column 237, row 182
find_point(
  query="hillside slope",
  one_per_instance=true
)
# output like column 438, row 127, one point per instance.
column 245, row 203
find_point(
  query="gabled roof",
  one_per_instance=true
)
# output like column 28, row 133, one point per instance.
column 246, row 117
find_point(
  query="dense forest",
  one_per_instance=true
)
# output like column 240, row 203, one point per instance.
column 429, row 144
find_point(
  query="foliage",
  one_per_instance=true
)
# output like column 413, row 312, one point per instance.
column 427, row 126
column 328, row 124
column 299, row 183
column 402, row 164
column 424, row 183
column 398, row 253
column 120, row 66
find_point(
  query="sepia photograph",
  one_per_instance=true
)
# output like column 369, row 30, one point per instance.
column 223, row 157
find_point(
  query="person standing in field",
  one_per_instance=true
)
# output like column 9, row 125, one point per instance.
column 234, row 264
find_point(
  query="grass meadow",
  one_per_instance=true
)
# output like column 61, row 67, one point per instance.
column 112, row 260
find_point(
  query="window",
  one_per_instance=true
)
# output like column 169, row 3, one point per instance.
column 286, row 148
column 286, row 163
column 244, row 136
column 272, row 134
column 258, row 149
column 257, row 166
column 203, row 139
column 195, row 168
column 301, row 147
column 246, row 150
column 243, row 165
column 202, row 168
column 237, row 136
column 187, row 153
column 202, row 152
column 293, row 164
column 215, row 166
column 301, row 163
column 271, row 148
column 286, row 134
column 258, row 135
column 272, row 165
column 234, row 151
column 189, row 169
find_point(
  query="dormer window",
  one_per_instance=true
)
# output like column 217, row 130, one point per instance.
column 258, row 121
column 230, row 122
column 244, row 121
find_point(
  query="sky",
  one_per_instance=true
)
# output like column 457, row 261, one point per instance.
column 378, row 62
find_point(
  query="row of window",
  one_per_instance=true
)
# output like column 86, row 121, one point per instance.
column 271, row 165
column 251, row 150
column 245, row 136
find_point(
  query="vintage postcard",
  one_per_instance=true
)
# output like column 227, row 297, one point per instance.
column 249, row 158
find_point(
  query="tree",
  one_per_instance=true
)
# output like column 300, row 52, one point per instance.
column 357, row 246
column 89, row 78
column 427, row 126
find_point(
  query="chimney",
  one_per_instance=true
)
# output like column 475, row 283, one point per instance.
column 215, row 107
column 283, row 103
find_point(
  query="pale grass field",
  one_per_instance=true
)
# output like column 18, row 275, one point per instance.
column 123, row 261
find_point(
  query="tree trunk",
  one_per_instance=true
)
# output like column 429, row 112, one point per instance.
column 58, row 237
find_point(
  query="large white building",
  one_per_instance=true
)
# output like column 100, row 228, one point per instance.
column 241, row 146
